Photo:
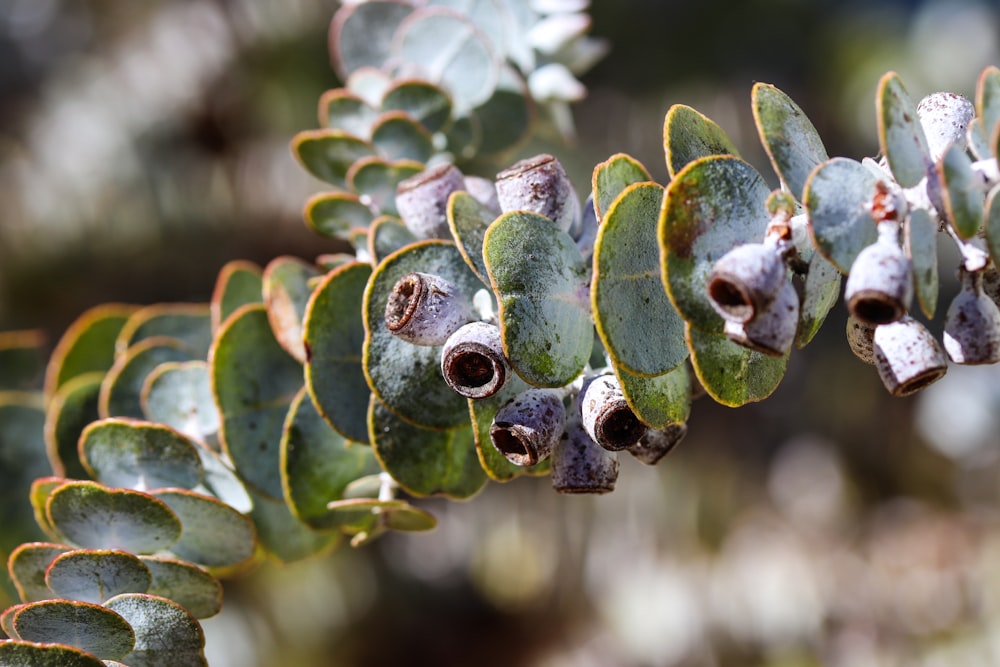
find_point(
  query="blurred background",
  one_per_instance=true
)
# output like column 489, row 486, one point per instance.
column 143, row 145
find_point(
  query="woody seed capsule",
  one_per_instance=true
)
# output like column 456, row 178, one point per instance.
column 540, row 185
column 880, row 286
column 657, row 443
column 527, row 427
column 606, row 416
column 907, row 357
column 773, row 330
column 473, row 362
column 861, row 336
column 746, row 280
column 580, row 465
column 972, row 326
column 422, row 201
column 425, row 309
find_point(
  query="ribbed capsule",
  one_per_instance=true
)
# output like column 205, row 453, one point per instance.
column 426, row 309
column 473, row 361
column 773, row 330
column 540, row 185
column 972, row 325
column 745, row 281
column 880, row 286
column 527, row 427
column 907, row 357
column 606, row 415
column 657, row 443
column 422, row 201
column 861, row 338
column 580, row 465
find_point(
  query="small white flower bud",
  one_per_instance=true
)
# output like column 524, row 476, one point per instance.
column 422, row 201
column 540, row 185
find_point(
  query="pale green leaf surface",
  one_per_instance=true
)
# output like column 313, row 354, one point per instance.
column 612, row 176
column 238, row 284
column 71, row 408
column 179, row 395
column 661, row 400
column 91, row 575
column 689, row 135
column 34, row 654
column 788, row 136
column 212, row 533
column 26, row 567
column 962, row 192
column 334, row 214
column 429, row 104
column 363, row 34
column 730, row 373
column 88, row 627
column 121, row 389
column 328, row 154
column 901, row 138
column 139, row 455
column 186, row 584
column 836, row 197
column 921, row 245
column 166, row 635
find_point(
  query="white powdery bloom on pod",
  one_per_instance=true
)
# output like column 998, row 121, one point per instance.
column 580, row 465
column 539, row 184
column 972, row 326
column 880, row 286
column 483, row 191
column 945, row 118
column 527, row 427
column 907, row 357
column 772, row 331
column 606, row 416
column 746, row 280
column 861, row 338
column 473, row 362
column 422, row 200
column 657, row 443
column 425, row 309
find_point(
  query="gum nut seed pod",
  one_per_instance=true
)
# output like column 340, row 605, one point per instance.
column 745, row 281
column 527, row 427
column 483, row 191
column 580, row 465
column 473, row 362
column 861, row 336
column 907, row 357
column 425, row 309
column 972, row 326
column 880, row 286
column 540, row 185
column 422, row 200
column 606, row 416
column 773, row 331
column 657, row 443
column 945, row 117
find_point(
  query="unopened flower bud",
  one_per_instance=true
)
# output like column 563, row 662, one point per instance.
column 657, row 443
column 972, row 326
column 540, row 185
column 425, row 309
column 606, row 416
column 422, row 201
column 861, row 338
column 580, row 465
column 746, row 280
column 773, row 330
column 473, row 362
column 944, row 118
column 527, row 427
column 880, row 286
column 907, row 357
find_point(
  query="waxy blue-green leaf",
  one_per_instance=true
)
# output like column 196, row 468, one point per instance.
column 370, row 84
column 397, row 136
column 821, row 286
column 836, row 197
column 335, row 337
column 179, row 395
column 424, row 461
column 69, row 410
column 121, row 389
column 189, row 323
column 482, row 411
column 36, row 654
column 88, row 345
column 712, row 205
column 22, row 360
column 166, row 635
column 88, row 627
column 343, row 110
column 239, row 283
column 386, row 235
column 329, row 261
column 788, row 136
column 377, row 180
column 900, row 135
column 921, row 246
column 361, row 34
column 638, row 325
column 612, row 176
column 447, row 49
column 689, row 135
column 317, row 463
column 730, row 373
column 92, row 516
column 282, row 534
column 139, row 455
column 406, row 377
column 507, row 118
column 991, row 223
column 22, row 460
column 335, row 214
column 254, row 380
column 661, row 400
column 468, row 220
column 465, row 136
column 94, row 575
column 368, row 518
column 213, row 534
column 222, row 482
column 286, row 293
column 979, row 140
column 423, row 101
column 26, row 567
column 541, row 283
column 988, row 108
column 41, row 489
column 962, row 192
column 186, row 584
column 328, row 154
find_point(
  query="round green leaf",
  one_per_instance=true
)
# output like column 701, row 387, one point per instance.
column 286, row 293
column 254, row 381
column 328, row 154
column 361, row 34
column 238, row 284
column 139, row 455
column 22, row 460
column 179, row 394
column 507, row 118
column 27, row 565
column 424, row 461
column 397, row 136
column 283, row 535
column 541, row 283
column 836, row 197
column 962, row 192
column 921, row 247
column 405, row 377
column 430, row 105
column 88, row 627
column 189, row 323
column 988, row 97
column 386, row 235
column 468, row 220
column 636, row 321
column 71, row 408
column 730, row 373
column 714, row 204
column 341, row 109
column 334, row 336
column 21, row 653
column 92, row 575
column 213, row 534
column 186, row 584
column 165, row 633
column 334, row 214
column 661, row 400
column 612, row 176
column 222, row 482
column 900, row 135
column 318, row 463
column 376, row 179
column 821, row 287
column 88, row 345
column 41, row 490
column 121, row 389
column 689, row 135
column 369, row 83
